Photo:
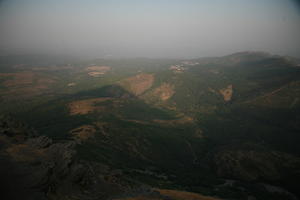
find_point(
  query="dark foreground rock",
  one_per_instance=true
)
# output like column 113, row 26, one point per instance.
column 35, row 168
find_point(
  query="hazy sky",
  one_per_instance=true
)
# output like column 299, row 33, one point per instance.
column 149, row 28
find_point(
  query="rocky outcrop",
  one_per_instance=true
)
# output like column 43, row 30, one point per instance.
column 36, row 168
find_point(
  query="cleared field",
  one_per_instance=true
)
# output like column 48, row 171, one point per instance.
column 138, row 84
column 83, row 107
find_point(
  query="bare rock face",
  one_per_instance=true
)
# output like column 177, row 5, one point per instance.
column 40, row 168
column 39, row 142
column 13, row 128
column 36, row 168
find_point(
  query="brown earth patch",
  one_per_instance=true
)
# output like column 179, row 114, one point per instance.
column 136, row 121
column 227, row 92
column 163, row 122
column 86, row 106
column 164, row 92
column 71, row 84
column 96, row 71
column 181, row 195
column 24, row 84
column 99, row 68
column 95, row 74
column 20, row 79
column 83, row 133
column 170, row 194
column 179, row 121
column 24, row 152
column 6, row 74
column 138, row 84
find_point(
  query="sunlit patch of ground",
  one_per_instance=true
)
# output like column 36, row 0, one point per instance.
column 86, row 106
column 20, row 79
column 173, row 122
column 71, row 84
column 96, row 71
column 170, row 195
column 227, row 93
column 164, row 92
column 83, row 132
column 181, row 195
column 138, row 84
column 98, row 68
column 95, row 74
column 24, row 84
column 24, row 152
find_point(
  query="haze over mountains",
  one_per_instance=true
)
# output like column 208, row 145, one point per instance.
column 149, row 100
column 159, row 28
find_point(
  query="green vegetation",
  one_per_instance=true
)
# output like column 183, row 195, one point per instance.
column 174, row 142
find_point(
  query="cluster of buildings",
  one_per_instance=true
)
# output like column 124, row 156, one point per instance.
column 183, row 66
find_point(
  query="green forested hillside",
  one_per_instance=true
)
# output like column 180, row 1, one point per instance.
column 225, row 127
